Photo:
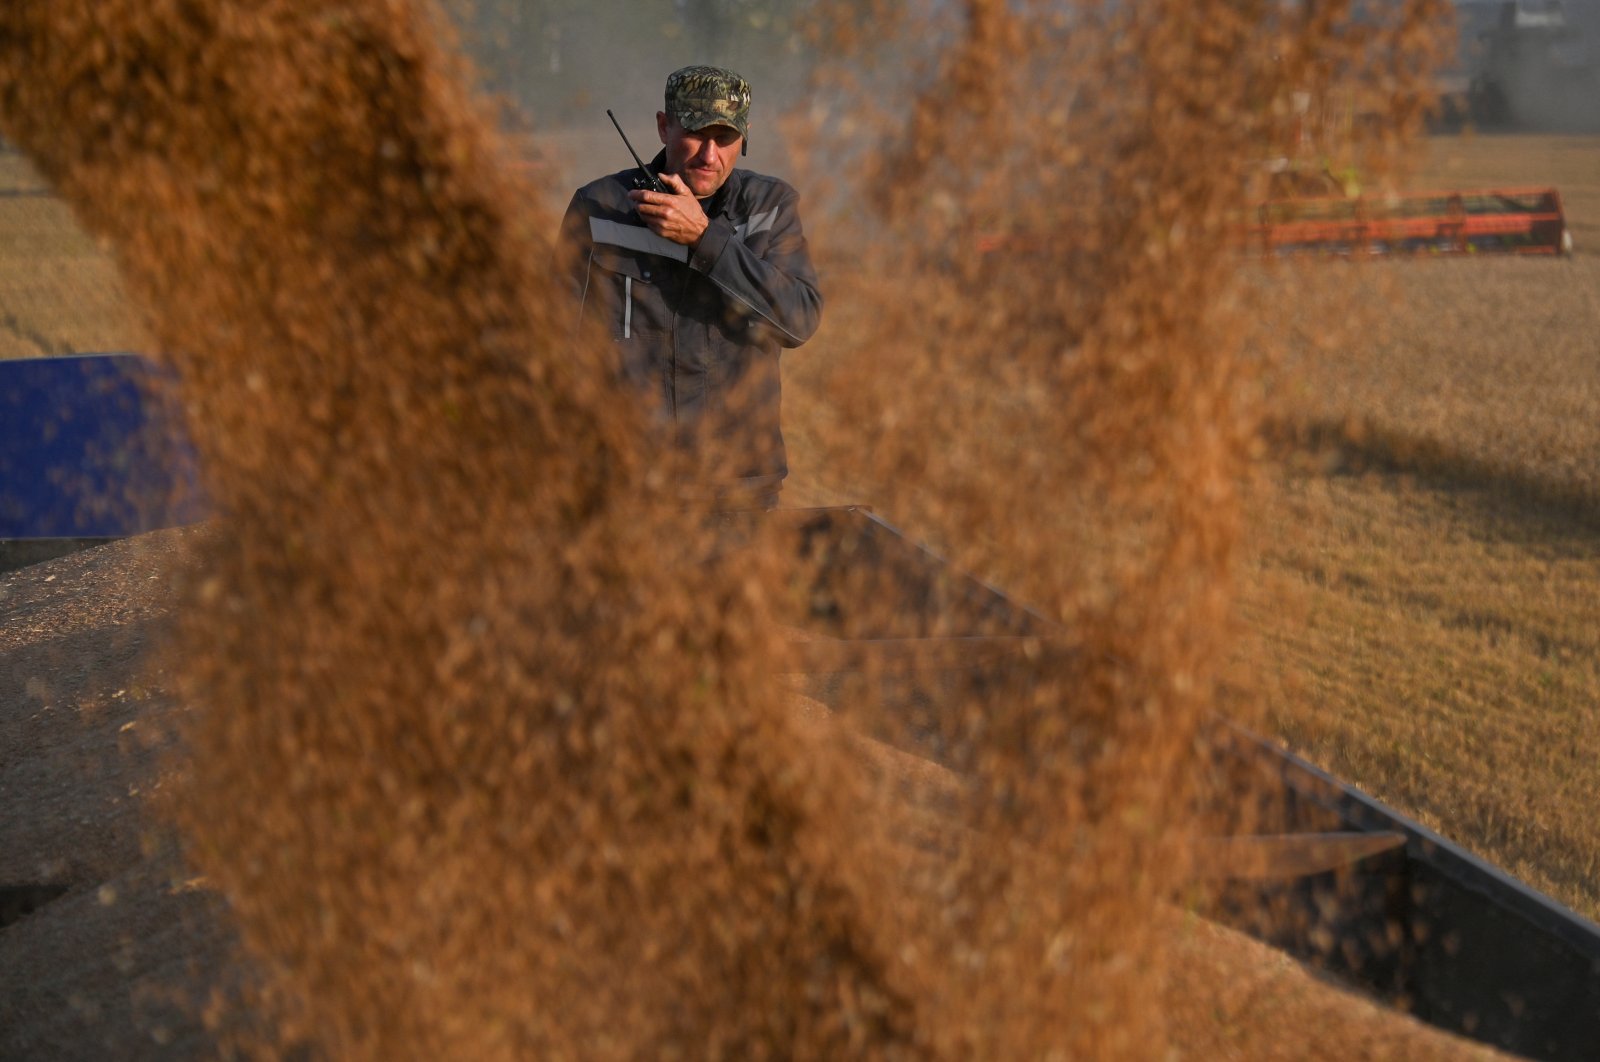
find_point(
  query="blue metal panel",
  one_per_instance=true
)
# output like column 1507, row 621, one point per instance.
column 92, row 446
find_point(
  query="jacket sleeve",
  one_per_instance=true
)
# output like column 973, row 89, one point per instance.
column 779, row 284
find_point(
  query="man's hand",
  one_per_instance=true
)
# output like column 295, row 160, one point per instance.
column 676, row 217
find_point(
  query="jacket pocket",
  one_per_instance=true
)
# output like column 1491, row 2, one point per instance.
column 633, row 303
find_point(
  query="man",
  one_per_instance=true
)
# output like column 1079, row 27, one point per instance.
column 702, row 285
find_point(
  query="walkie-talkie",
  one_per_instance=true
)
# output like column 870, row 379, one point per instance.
column 646, row 180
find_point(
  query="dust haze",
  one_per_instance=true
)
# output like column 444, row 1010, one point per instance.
column 493, row 746
column 1531, row 64
column 557, row 67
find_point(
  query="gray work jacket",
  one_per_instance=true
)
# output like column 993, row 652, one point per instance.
column 699, row 331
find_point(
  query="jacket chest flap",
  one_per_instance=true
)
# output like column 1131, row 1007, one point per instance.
column 634, row 270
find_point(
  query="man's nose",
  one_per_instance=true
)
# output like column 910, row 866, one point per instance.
column 707, row 153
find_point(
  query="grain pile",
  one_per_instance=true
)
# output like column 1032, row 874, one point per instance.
column 485, row 748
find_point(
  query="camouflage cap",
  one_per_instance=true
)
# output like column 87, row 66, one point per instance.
column 699, row 96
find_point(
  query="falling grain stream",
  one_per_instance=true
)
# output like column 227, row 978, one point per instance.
column 486, row 740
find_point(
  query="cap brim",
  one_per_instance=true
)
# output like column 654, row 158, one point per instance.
column 744, row 148
column 708, row 124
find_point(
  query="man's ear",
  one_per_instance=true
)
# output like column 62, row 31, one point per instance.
column 661, row 125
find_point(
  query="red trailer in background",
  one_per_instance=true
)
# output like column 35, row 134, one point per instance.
column 1502, row 221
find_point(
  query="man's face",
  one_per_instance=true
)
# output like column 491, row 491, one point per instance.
column 702, row 157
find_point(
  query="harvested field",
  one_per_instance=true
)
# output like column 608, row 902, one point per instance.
column 1435, row 566
column 1435, row 542
column 59, row 294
